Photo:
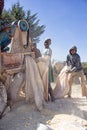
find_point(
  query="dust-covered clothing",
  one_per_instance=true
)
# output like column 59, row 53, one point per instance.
column 47, row 52
column 74, row 61
column 80, row 74
column 51, row 77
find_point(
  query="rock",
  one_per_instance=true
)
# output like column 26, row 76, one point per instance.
column 3, row 97
column 43, row 127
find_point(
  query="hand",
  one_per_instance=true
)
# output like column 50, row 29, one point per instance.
column 68, row 71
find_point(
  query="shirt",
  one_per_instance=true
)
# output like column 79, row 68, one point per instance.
column 74, row 61
column 47, row 51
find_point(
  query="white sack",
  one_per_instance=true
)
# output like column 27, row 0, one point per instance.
column 43, row 70
column 15, row 86
column 34, row 86
column 62, row 84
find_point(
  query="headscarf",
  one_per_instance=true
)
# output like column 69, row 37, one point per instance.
column 47, row 42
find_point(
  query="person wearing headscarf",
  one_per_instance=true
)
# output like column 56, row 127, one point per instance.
column 47, row 53
column 74, row 61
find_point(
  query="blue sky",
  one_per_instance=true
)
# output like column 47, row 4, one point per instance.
column 65, row 21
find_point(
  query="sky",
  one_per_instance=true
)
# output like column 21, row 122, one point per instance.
column 65, row 21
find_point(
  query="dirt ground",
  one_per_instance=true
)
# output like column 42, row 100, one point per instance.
column 63, row 114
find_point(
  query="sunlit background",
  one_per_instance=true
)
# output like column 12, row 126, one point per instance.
column 65, row 21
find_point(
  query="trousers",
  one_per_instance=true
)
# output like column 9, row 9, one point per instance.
column 80, row 74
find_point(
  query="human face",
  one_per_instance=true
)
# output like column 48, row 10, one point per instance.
column 47, row 46
column 49, row 42
column 73, row 51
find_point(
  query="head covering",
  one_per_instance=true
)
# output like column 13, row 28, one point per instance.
column 73, row 48
column 47, row 41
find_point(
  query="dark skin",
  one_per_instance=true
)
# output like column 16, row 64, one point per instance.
column 36, row 51
column 47, row 43
column 73, row 51
column 46, row 46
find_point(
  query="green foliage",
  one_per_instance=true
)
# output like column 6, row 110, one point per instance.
column 35, row 29
column 17, row 13
column 84, row 64
column 7, row 17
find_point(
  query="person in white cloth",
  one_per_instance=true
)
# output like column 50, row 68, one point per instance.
column 47, row 53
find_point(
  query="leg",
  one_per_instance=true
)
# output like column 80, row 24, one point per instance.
column 50, row 79
column 83, row 83
column 71, row 77
column 50, row 91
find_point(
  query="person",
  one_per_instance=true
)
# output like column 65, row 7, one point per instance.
column 74, row 61
column 47, row 53
column 35, row 50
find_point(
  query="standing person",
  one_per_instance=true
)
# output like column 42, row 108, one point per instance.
column 35, row 50
column 47, row 53
column 73, row 60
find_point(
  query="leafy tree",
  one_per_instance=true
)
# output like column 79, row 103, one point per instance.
column 35, row 29
column 17, row 13
column 7, row 17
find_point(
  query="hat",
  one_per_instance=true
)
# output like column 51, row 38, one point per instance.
column 73, row 48
column 47, row 42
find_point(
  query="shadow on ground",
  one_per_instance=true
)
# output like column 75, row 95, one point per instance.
column 26, row 117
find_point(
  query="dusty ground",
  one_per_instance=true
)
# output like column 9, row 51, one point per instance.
column 63, row 114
